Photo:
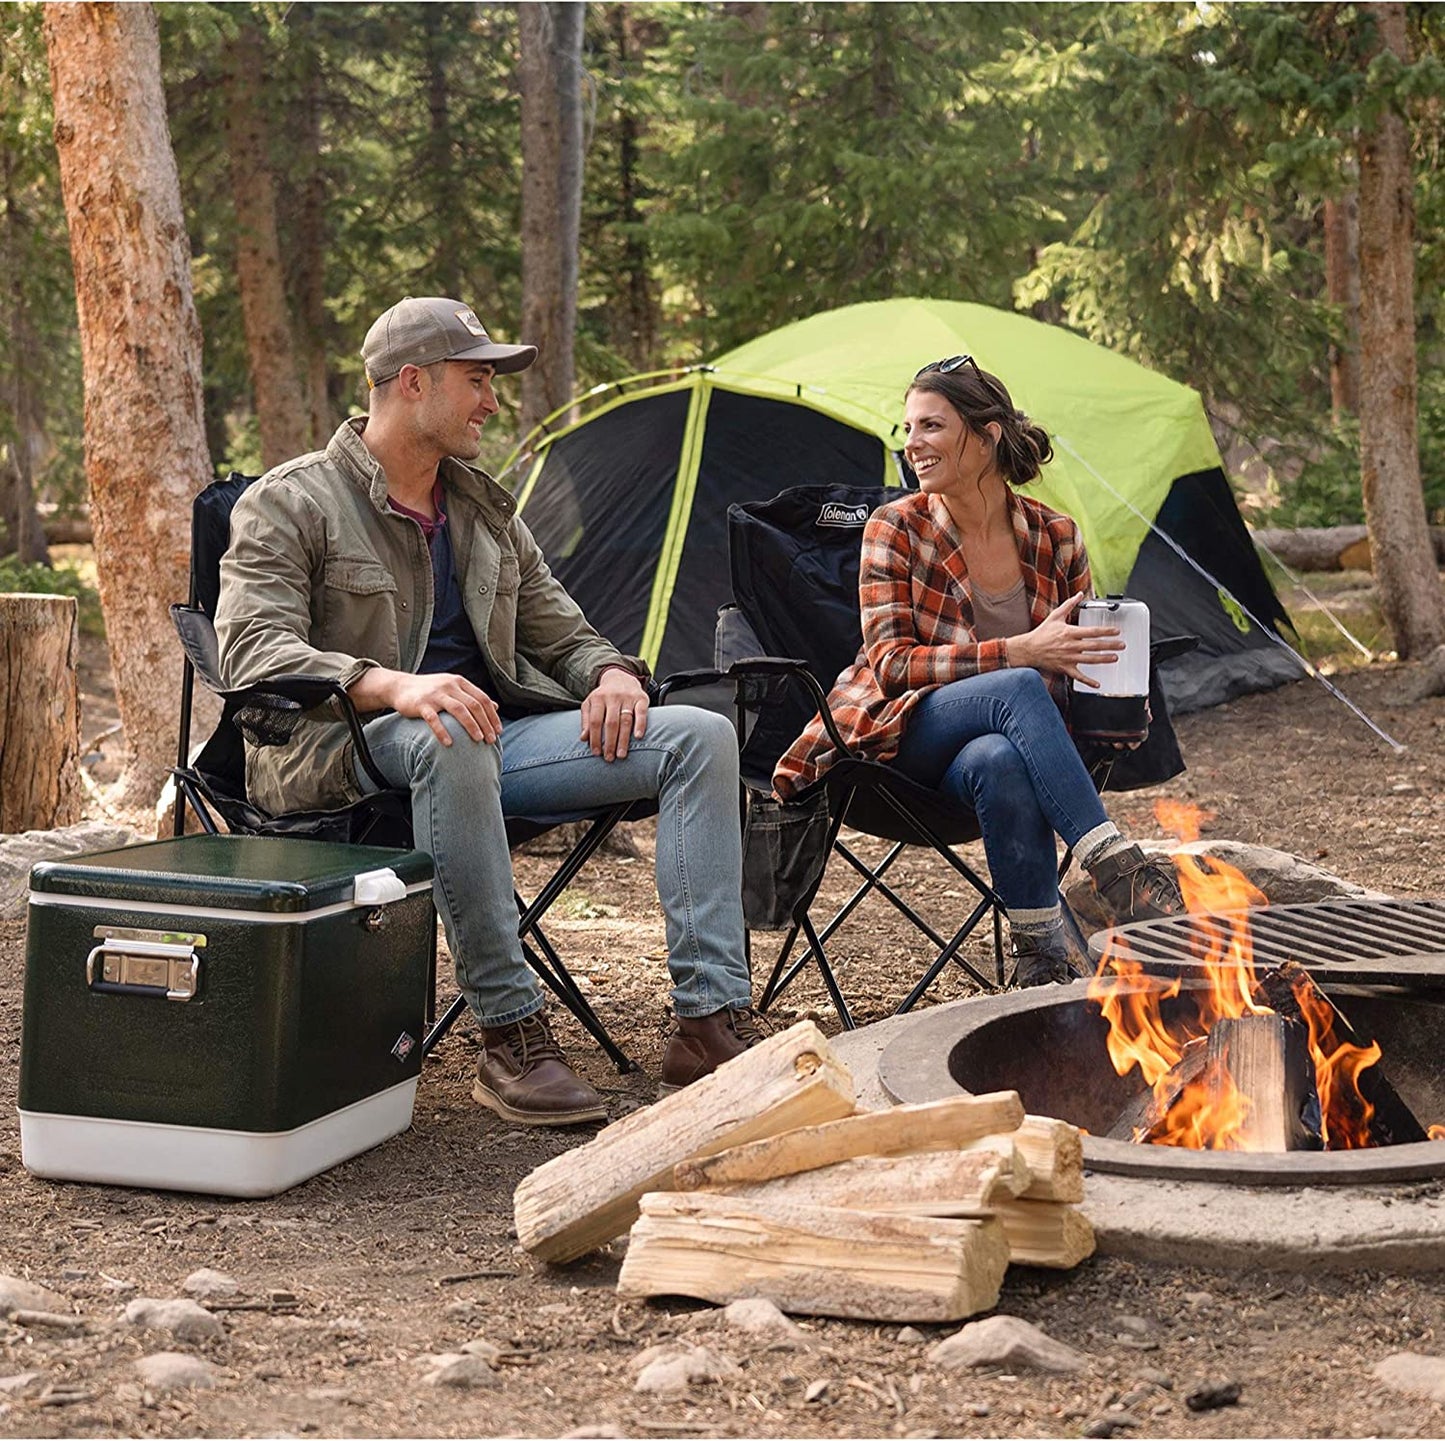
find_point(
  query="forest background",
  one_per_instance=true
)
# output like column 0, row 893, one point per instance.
column 1178, row 182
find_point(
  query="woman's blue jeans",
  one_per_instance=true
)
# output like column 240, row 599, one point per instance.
column 460, row 793
column 996, row 742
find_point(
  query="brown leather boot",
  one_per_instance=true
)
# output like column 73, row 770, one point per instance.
column 700, row 1044
column 1131, row 887
column 524, row 1077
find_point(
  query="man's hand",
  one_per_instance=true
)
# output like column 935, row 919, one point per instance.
column 427, row 697
column 1057, row 644
column 615, row 714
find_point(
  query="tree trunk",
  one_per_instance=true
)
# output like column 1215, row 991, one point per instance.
column 1342, row 284
column 450, row 241
column 1411, row 596
column 639, row 314
column 265, row 317
column 312, row 339
column 39, row 713
column 21, row 533
column 549, row 73
column 145, row 448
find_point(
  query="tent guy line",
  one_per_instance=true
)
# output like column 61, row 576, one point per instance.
column 1297, row 579
column 1305, row 665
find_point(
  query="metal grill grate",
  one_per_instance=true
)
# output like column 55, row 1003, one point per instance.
column 1383, row 942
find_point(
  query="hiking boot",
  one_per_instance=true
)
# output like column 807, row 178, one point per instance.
column 524, row 1077
column 1042, row 958
column 1131, row 887
column 700, row 1044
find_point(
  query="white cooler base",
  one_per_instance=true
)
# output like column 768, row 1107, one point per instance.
column 196, row 1158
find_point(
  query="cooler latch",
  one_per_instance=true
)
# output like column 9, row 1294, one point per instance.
column 124, row 965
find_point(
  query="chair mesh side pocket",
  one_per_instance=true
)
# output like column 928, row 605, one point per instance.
column 784, row 850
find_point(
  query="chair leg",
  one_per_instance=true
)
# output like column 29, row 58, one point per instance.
column 564, row 986
column 873, row 879
column 442, row 1026
column 188, row 794
column 947, row 954
column 829, row 979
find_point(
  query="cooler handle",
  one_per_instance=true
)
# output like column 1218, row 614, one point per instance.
column 144, row 968
column 377, row 888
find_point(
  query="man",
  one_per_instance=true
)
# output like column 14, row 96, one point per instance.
column 387, row 562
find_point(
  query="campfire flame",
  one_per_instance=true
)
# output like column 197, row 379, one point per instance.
column 1208, row 1112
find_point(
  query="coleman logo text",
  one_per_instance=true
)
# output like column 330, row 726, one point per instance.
column 843, row 515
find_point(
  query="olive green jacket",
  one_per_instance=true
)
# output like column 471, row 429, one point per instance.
column 322, row 578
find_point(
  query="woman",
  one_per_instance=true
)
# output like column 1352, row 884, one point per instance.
column 968, row 594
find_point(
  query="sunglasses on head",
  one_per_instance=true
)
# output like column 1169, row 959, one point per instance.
column 947, row 367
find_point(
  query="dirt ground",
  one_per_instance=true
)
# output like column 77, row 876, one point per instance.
column 408, row 1251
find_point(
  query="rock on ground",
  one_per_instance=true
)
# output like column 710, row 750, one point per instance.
column 671, row 1369
column 1285, row 880
column 759, row 1315
column 185, row 1320
column 1005, row 1341
column 209, row 1283
column 1413, row 1374
column 18, row 1295
column 19, row 852
column 175, row 1371
column 454, row 1369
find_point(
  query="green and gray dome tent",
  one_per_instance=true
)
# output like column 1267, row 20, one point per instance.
column 630, row 502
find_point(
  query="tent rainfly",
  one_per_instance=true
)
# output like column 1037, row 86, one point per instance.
column 630, row 503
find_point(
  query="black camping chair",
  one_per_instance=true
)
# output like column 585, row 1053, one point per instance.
column 794, row 566
column 214, row 785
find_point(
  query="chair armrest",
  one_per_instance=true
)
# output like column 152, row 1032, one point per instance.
column 1171, row 646
column 266, row 713
column 764, row 667
column 659, row 690
column 290, row 695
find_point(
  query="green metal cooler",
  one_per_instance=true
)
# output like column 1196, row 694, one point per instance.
column 228, row 1014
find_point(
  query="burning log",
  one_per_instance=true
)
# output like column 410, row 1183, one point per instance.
column 1380, row 1116
column 1142, row 1118
column 1260, row 1065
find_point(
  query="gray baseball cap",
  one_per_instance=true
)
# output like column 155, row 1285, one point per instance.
column 423, row 330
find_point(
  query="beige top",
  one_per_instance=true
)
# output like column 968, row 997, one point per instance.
column 996, row 617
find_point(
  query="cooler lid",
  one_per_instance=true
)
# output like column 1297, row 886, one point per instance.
column 253, row 873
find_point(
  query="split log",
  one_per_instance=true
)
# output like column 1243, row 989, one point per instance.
column 1044, row 1233
column 39, row 713
column 1053, row 1150
column 1289, row 989
column 935, row 1183
column 813, row 1260
column 1266, row 1059
column 576, row 1202
column 930, row 1126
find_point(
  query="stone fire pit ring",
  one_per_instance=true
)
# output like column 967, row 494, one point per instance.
column 1047, row 1043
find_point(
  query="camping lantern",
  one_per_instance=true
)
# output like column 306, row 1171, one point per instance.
column 1119, row 709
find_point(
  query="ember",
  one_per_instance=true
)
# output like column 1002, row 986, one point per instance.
column 1266, row 1062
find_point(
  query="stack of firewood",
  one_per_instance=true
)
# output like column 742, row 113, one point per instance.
column 765, row 1180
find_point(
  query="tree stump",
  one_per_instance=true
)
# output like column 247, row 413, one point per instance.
column 39, row 713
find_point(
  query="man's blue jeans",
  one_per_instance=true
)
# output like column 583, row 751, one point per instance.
column 996, row 742
column 687, row 761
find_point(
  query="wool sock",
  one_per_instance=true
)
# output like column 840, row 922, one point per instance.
column 1098, row 844
column 1040, row 922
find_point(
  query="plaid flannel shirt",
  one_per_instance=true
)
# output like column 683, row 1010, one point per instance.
column 918, row 623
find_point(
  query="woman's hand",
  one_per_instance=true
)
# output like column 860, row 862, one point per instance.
column 1056, row 644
